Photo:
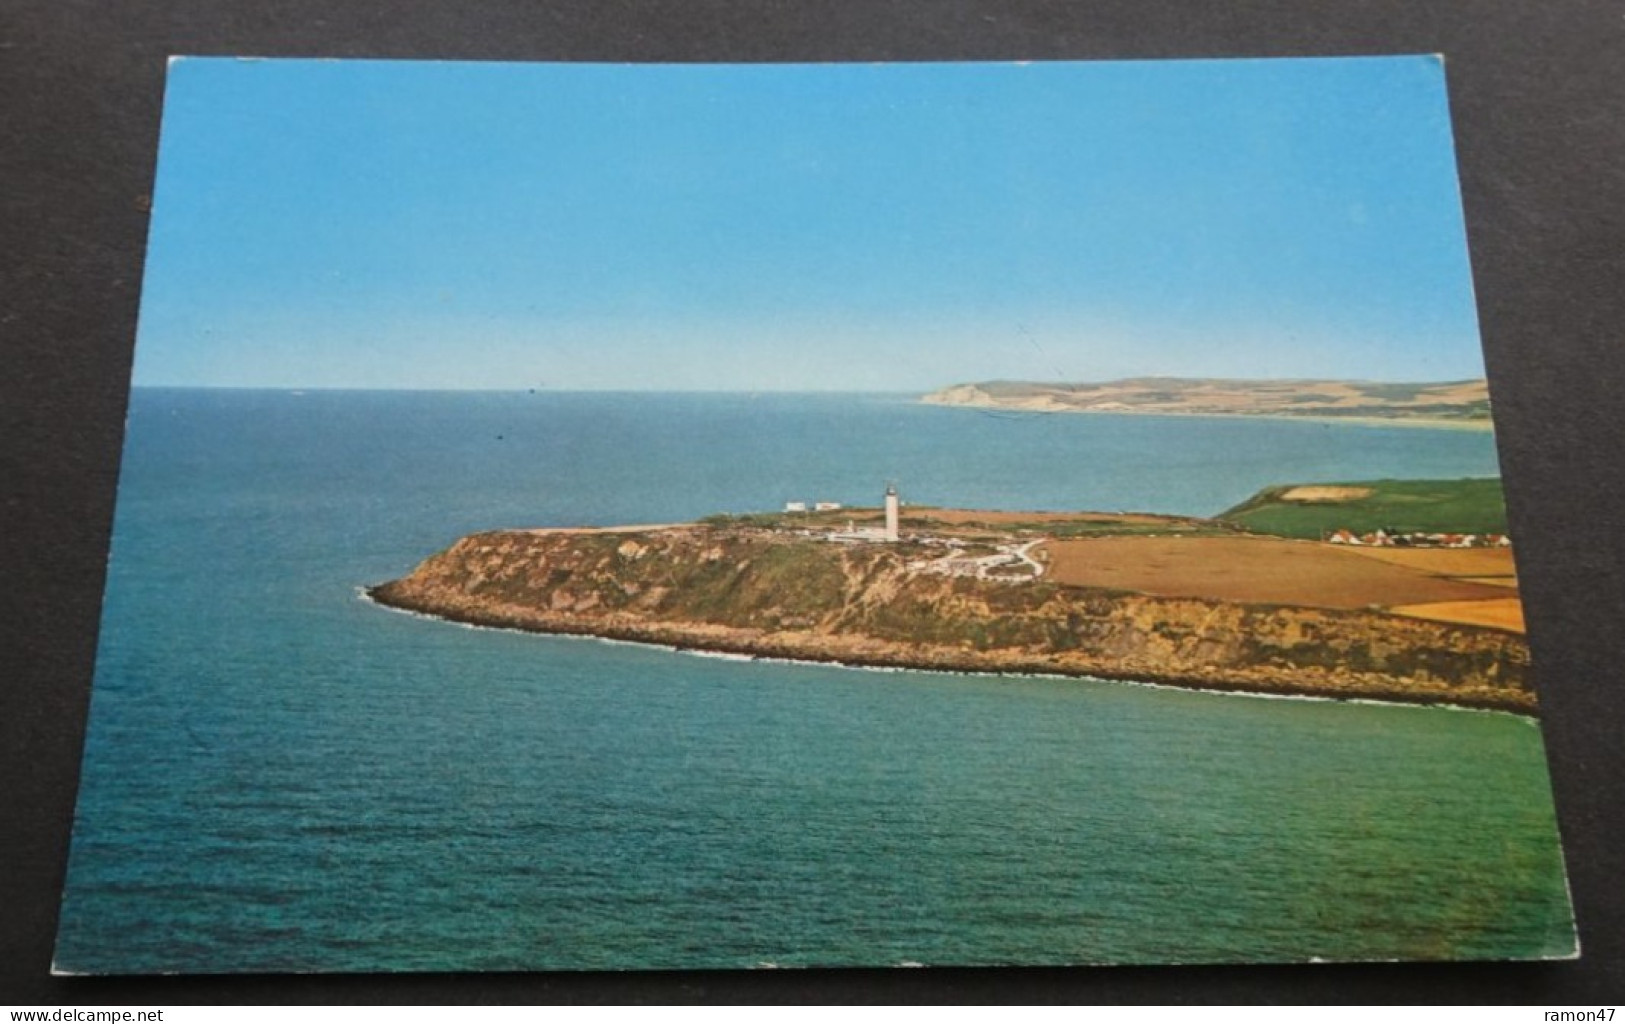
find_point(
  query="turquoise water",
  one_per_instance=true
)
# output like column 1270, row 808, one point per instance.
column 281, row 776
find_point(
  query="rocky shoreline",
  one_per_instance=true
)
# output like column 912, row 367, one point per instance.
column 725, row 591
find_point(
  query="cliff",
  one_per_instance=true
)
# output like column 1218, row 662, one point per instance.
column 773, row 593
column 1461, row 403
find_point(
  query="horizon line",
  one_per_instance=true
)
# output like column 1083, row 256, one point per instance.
column 783, row 390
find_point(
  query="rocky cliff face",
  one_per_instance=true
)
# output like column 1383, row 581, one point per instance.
column 776, row 595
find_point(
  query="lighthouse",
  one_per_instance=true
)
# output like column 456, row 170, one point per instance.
column 891, row 513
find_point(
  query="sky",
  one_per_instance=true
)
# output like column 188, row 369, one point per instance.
column 888, row 227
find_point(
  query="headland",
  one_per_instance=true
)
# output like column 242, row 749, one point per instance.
column 1189, row 602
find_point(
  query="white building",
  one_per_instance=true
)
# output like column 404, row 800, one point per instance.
column 891, row 513
column 795, row 506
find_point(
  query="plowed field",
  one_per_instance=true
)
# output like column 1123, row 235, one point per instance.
column 1252, row 570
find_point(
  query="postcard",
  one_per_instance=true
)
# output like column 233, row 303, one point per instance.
column 581, row 517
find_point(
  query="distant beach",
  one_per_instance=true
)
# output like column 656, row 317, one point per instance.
column 1420, row 422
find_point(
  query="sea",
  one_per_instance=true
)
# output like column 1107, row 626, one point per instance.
column 282, row 776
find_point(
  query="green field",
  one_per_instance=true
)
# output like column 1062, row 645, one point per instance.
column 1398, row 506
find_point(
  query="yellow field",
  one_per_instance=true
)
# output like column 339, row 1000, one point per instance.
column 1325, row 493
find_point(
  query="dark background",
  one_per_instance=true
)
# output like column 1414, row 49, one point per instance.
column 1536, row 88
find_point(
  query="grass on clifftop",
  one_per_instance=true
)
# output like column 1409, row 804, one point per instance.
column 1404, row 506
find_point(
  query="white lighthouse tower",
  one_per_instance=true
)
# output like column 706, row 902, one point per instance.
column 891, row 513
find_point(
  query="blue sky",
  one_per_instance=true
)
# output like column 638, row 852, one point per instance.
column 803, row 227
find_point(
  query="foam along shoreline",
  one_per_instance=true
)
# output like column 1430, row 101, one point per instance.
column 365, row 594
column 756, row 593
